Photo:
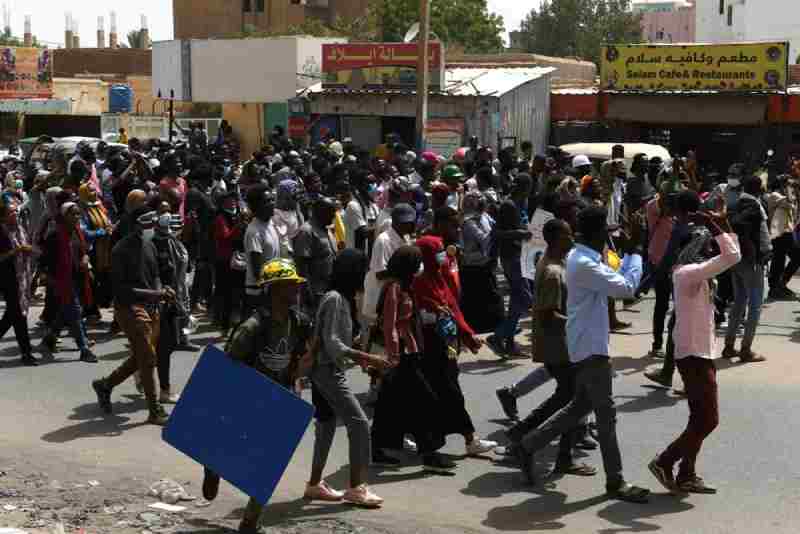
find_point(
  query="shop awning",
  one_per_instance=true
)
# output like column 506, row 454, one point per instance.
column 44, row 106
column 689, row 109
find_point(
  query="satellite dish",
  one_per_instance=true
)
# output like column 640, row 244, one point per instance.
column 412, row 33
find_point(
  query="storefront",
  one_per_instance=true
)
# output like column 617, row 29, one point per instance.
column 497, row 105
column 728, row 103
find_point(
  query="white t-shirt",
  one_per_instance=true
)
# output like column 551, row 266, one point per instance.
column 262, row 238
column 384, row 221
column 385, row 245
column 287, row 223
column 355, row 217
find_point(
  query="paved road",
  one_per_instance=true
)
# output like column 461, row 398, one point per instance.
column 51, row 426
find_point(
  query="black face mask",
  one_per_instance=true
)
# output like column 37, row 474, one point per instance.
column 265, row 213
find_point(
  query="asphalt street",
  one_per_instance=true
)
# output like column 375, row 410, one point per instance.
column 52, row 427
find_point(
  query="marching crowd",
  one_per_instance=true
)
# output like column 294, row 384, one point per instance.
column 308, row 259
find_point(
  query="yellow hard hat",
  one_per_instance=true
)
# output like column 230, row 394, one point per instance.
column 280, row 270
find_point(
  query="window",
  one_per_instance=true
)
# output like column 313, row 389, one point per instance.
column 259, row 6
column 246, row 6
column 730, row 15
column 721, row 7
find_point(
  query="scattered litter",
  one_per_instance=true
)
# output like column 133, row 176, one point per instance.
column 55, row 485
column 58, row 528
column 114, row 509
column 122, row 524
column 9, row 494
column 3, row 473
column 170, row 492
column 202, row 503
column 10, row 507
column 93, row 483
column 167, row 507
column 150, row 518
column 12, row 531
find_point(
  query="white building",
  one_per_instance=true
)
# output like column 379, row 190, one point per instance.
column 750, row 20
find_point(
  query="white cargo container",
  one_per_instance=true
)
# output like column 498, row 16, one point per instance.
column 237, row 70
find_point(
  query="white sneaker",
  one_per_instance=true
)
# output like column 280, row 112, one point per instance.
column 362, row 496
column 167, row 397
column 323, row 492
column 409, row 445
column 480, row 446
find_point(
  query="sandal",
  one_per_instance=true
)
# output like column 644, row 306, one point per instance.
column 748, row 356
column 696, row 485
column 629, row 493
column 580, row 470
column 664, row 477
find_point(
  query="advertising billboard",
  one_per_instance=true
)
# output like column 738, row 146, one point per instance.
column 444, row 136
column 26, row 73
column 378, row 65
column 741, row 67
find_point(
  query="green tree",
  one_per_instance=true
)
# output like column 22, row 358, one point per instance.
column 8, row 39
column 363, row 28
column 579, row 27
column 136, row 38
column 464, row 23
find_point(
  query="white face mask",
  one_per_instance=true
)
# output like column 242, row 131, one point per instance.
column 147, row 235
column 734, row 182
column 441, row 257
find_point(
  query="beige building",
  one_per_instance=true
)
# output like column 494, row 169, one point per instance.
column 202, row 19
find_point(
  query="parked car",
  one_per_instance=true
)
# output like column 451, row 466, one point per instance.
column 600, row 152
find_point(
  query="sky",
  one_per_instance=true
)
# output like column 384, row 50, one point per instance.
column 48, row 21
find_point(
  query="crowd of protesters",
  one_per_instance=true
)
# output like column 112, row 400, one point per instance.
column 329, row 251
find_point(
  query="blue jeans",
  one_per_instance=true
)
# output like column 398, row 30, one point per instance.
column 748, row 293
column 520, row 300
column 71, row 316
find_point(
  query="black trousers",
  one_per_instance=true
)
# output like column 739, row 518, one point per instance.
column 564, row 376
column 13, row 317
column 779, row 272
column 663, row 287
column 203, row 285
column 227, row 293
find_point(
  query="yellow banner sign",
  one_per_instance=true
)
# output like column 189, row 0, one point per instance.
column 746, row 67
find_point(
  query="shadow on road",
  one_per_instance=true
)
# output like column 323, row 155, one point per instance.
column 656, row 397
column 547, row 512
column 630, row 517
column 486, row 367
column 111, row 426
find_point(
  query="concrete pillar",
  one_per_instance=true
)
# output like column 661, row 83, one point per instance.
column 145, row 33
column 28, row 36
column 101, row 32
column 113, row 40
column 68, row 39
column 76, row 41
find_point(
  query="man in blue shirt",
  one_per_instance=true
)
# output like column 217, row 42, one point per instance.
column 590, row 283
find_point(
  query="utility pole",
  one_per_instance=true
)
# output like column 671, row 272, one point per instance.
column 423, row 71
column 171, row 113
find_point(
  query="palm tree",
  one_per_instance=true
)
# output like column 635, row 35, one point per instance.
column 135, row 38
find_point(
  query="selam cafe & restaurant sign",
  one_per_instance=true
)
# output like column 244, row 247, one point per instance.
column 744, row 67
column 378, row 65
